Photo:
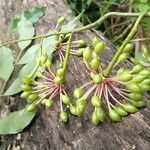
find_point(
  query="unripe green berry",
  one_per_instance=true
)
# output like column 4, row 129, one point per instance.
column 78, row 93
column 137, row 68
column 95, row 41
column 94, row 119
column 87, row 53
column 31, row 107
column 100, row 113
column 79, row 52
column 48, row 103
column 81, row 43
column 47, row 63
column 144, row 87
column 125, row 77
column 120, row 71
column 99, row 47
column 33, row 97
column 25, row 95
column 64, row 116
column 94, row 55
column 65, row 99
column 39, row 74
column 98, row 78
column 138, row 104
column 134, row 88
column 114, row 115
column 81, row 104
column 123, row 57
column 146, row 82
column 73, row 110
column 60, row 72
column 61, row 20
column 26, row 87
column 121, row 111
column 144, row 51
column 58, row 80
column 95, row 63
column 138, row 78
column 130, row 108
column 96, row 101
column 128, row 48
column 145, row 73
column 27, row 80
column 136, row 96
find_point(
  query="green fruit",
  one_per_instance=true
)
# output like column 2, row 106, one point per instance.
column 114, row 115
column 138, row 78
column 65, row 99
column 39, row 74
column 134, row 61
column 136, row 96
column 27, row 80
column 120, row 71
column 97, row 78
column 31, row 107
column 25, row 95
column 78, row 93
column 95, row 41
column 73, row 110
column 26, row 87
column 138, row 104
column 130, row 108
column 145, row 73
column 47, row 63
column 33, row 97
column 125, row 77
column 123, row 57
column 128, row 48
column 58, row 80
column 61, row 20
column 99, row 47
column 145, row 51
column 94, row 119
column 96, row 101
column 79, row 52
column 94, row 55
column 146, row 82
column 47, row 102
column 81, row 43
column 60, row 72
column 137, row 68
column 120, row 111
column 87, row 54
column 100, row 113
column 134, row 88
column 95, row 63
column 144, row 87
column 81, row 104
column 64, row 116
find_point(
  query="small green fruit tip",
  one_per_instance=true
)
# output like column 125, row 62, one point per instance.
column 99, row 48
column 96, row 101
column 65, row 99
column 81, row 43
column 31, row 107
column 114, row 115
column 78, row 93
column 98, row 78
column 64, row 116
column 47, row 102
column 61, row 20
column 58, row 80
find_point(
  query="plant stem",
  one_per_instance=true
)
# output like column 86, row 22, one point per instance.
column 92, row 25
column 66, row 59
column 133, row 31
column 3, row 87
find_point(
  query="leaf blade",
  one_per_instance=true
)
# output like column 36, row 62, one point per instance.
column 15, row 122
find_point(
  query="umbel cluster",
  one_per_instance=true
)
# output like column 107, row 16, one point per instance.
column 121, row 94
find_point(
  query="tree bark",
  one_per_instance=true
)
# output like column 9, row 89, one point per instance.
column 46, row 132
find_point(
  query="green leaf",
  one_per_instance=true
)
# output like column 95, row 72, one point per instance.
column 6, row 63
column 71, row 24
column 34, row 14
column 25, row 31
column 33, row 52
column 15, row 87
column 13, row 26
column 16, row 121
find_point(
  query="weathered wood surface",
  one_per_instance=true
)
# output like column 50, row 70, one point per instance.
column 46, row 132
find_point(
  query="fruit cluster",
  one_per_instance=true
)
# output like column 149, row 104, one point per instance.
column 122, row 93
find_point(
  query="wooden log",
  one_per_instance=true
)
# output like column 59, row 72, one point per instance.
column 46, row 132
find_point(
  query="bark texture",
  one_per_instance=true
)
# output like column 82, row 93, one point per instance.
column 46, row 132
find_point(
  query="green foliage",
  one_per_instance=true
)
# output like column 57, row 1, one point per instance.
column 6, row 63
column 16, row 121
